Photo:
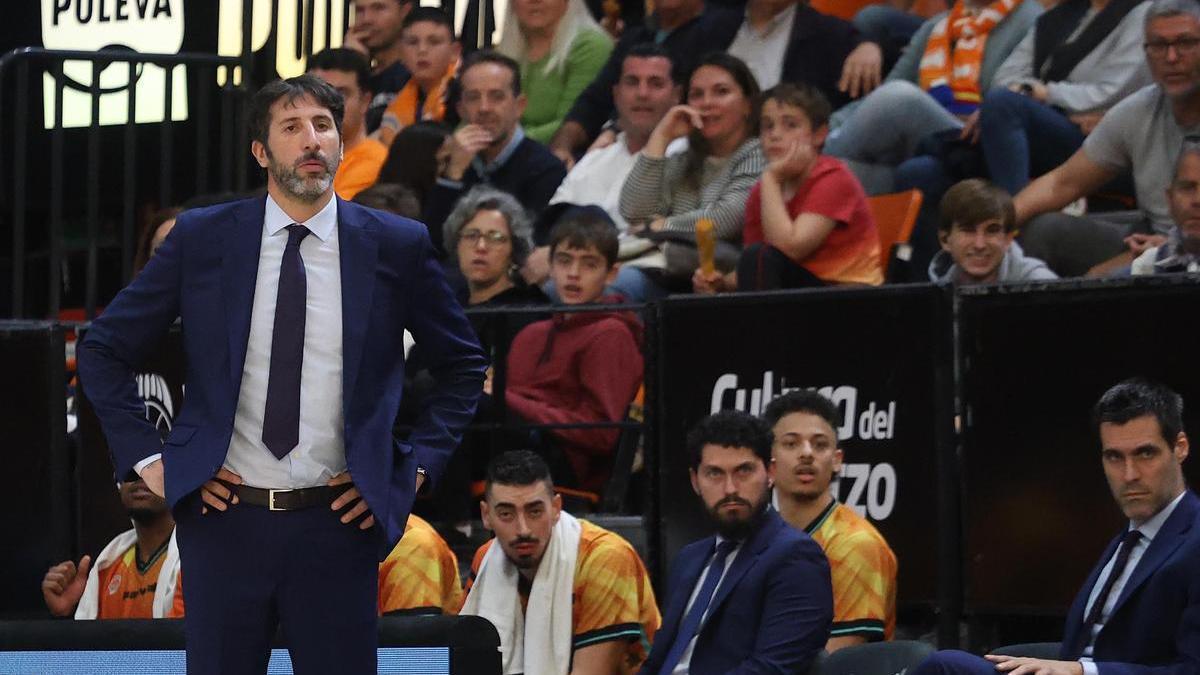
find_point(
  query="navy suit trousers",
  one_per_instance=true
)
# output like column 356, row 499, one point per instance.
column 250, row 570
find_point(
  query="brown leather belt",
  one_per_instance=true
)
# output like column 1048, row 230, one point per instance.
column 289, row 500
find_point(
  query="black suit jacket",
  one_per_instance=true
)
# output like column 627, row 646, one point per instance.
column 531, row 174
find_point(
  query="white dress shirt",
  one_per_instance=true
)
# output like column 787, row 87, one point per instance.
column 320, row 453
column 763, row 51
column 685, row 661
column 1149, row 530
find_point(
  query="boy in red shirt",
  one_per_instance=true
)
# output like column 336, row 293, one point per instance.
column 807, row 219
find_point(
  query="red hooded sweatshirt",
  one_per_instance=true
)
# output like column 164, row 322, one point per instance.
column 576, row 368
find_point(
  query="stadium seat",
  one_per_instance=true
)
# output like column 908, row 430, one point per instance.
column 1037, row 650
column 895, row 216
column 875, row 658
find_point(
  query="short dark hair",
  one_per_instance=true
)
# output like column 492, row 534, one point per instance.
column 583, row 226
column 412, row 157
column 730, row 429
column 483, row 56
column 801, row 401
column 972, row 201
column 391, row 197
column 651, row 50
column 429, row 15
column 344, row 60
column 807, row 98
column 1137, row 397
column 518, row 468
column 291, row 89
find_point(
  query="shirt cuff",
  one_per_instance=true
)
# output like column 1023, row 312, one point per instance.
column 158, row 455
column 1089, row 667
column 452, row 184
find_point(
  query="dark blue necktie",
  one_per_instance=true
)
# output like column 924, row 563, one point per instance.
column 281, row 420
column 1127, row 545
column 691, row 622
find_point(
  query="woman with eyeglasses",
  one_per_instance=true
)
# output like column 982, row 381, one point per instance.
column 488, row 235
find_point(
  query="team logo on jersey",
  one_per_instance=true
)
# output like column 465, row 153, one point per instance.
column 115, row 584
column 160, row 409
column 147, row 26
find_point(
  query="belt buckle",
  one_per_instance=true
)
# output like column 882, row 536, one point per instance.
column 271, row 500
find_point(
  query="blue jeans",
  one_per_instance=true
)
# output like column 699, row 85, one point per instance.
column 1023, row 138
column 884, row 129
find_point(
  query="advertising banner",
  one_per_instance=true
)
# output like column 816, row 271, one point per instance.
column 875, row 353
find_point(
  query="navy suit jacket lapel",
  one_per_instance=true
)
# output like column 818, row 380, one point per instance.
column 1071, row 637
column 359, row 253
column 688, row 575
column 1170, row 537
column 746, row 558
column 241, row 243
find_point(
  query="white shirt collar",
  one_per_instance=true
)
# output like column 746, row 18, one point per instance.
column 1150, row 528
column 785, row 17
column 322, row 224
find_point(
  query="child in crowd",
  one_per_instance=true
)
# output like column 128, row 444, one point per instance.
column 578, row 367
column 976, row 231
column 807, row 220
column 430, row 52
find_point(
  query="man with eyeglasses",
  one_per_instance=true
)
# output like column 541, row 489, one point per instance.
column 1140, row 135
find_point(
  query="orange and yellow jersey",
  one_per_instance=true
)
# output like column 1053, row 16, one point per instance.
column 127, row 587
column 612, row 598
column 420, row 575
column 359, row 168
column 863, row 568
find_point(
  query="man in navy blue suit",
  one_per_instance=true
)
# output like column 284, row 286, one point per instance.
column 757, row 597
column 284, row 477
column 1139, row 611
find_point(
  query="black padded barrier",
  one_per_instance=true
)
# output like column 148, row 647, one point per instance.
column 37, row 498
column 1037, row 510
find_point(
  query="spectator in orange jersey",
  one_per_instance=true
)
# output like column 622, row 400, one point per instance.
column 420, row 575
column 135, row 577
column 347, row 71
column 594, row 609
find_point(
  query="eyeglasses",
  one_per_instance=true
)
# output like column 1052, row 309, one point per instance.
column 1183, row 47
column 490, row 238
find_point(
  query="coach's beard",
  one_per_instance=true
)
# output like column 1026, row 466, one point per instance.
column 307, row 190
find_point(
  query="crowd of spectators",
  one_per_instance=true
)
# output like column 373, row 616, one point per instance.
column 571, row 166
column 771, row 126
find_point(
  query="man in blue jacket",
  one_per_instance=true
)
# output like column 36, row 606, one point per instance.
column 1139, row 611
column 757, row 597
column 284, row 478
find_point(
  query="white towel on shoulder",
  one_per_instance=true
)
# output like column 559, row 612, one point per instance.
column 538, row 641
column 164, row 591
